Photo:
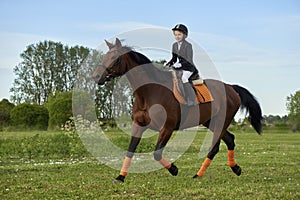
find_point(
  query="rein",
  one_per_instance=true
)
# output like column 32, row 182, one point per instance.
column 111, row 70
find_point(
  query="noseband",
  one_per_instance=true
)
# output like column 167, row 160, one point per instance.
column 111, row 73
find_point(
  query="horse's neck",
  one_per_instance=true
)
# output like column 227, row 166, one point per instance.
column 140, row 75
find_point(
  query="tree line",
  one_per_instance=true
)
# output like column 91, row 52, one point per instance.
column 50, row 72
column 46, row 77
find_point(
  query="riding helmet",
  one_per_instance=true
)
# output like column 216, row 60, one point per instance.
column 182, row 28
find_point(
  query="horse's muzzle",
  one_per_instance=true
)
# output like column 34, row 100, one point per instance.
column 98, row 79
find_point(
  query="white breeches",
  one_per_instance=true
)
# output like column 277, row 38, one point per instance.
column 185, row 76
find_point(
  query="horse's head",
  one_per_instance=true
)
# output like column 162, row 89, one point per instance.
column 112, row 65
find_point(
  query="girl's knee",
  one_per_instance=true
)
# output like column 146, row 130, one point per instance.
column 185, row 79
column 185, row 76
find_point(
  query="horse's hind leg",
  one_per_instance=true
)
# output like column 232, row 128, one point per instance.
column 228, row 138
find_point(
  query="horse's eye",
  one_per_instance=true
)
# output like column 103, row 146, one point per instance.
column 114, row 57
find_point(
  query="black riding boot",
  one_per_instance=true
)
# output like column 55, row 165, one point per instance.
column 189, row 94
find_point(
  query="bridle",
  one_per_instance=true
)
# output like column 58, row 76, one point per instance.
column 111, row 72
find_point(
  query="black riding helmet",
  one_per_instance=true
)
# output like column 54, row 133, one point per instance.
column 182, row 28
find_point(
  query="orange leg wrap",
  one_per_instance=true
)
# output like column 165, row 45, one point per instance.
column 125, row 166
column 204, row 166
column 165, row 163
column 231, row 161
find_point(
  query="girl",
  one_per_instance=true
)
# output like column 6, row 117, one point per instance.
column 182, row 58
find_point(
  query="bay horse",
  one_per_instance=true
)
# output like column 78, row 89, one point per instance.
column 153, row 86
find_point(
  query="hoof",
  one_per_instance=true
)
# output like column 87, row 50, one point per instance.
column 173, row 170
column 196, row 176
column 119, row 179
column 237, row 170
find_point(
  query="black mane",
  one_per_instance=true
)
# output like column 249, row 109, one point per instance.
column 141, row 59
column 156, row 73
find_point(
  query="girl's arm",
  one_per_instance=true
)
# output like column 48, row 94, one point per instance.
column 173, row 60
column 174, row 57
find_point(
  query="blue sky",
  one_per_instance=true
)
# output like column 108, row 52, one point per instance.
column 251, row 43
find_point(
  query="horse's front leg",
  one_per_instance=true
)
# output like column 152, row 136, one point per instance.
column 163, row 138
column 210, row 156
column 136, row 136
column 214, row 126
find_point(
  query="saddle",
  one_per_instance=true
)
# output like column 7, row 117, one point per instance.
column 202, row 93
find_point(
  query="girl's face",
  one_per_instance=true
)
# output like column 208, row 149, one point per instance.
column 179, row 36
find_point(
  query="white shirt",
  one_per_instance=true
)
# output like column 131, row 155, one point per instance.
column 179, row 45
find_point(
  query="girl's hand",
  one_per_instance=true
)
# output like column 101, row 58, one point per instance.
column 177, row 65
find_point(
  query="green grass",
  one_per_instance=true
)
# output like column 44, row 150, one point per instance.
column 270, row 165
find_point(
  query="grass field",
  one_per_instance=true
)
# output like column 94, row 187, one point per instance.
column 62, row 169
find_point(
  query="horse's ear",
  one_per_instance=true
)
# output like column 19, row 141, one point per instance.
column 110, row 45
column 118, row 43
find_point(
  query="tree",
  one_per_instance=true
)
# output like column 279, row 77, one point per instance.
column 274, row 119
column 60, row 109
column 30, row 116
column 5, row 109
column 45, row 68
column 83, row 105
column 293, row 106
column 104, row 100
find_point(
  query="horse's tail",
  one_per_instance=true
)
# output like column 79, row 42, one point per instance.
column 252, row 107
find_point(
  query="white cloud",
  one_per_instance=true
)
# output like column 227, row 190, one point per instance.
column 270, row 73
column 225, row 48
column 6, row 81
column 227, row 51
column 117, row 27
column 237, row 60
column 274, row 24
column 13, row 44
